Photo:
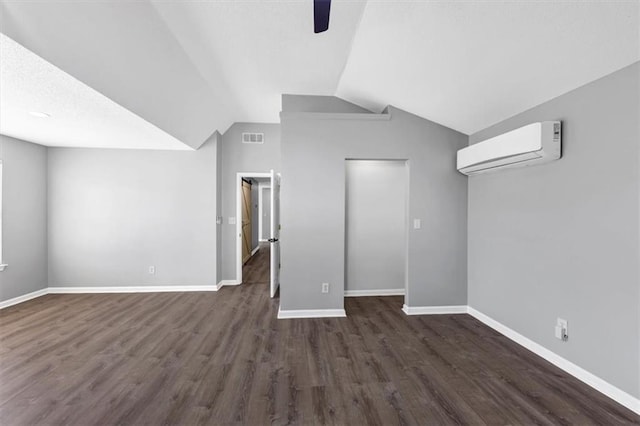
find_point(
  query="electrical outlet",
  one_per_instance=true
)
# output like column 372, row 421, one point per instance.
column 562, row 330
column 325, row 287
column 232, row 221
column 152, row 270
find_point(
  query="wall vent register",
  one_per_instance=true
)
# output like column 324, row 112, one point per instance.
column 253, row 138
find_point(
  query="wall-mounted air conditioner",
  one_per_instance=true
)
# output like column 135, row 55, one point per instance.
column 536, row 143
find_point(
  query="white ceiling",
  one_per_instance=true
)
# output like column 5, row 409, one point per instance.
column 79, row 116
column 470, row 64
column 259, row 50
column 193, row 67
column 124, row 50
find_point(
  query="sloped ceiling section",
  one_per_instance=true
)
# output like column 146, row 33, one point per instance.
column 124, row 51
column 41, row 103
column 470, row 64
column 262, row 49
column 193, row 67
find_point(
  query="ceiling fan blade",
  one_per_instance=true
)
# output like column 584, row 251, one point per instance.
column 321, row 15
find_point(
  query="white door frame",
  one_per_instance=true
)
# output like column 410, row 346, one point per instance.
column 274, row 261
column 239, row 177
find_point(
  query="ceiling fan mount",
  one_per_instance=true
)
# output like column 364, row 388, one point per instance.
column 321, row 10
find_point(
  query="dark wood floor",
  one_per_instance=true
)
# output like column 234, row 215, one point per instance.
column 223, row 358
column 256, row 270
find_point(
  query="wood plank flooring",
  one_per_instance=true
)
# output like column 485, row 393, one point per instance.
column 223, row 358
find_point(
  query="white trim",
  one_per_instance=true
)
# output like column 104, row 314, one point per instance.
column 255, row 250
column 434, row 310
column 2, row 265
column 238, row 184
column 23, row 298
column 133, row 289
column 580, row 373
column 311, row 313
column 380, row 292
column 227, row 282
column 407, row 229
column 259, row 212
column 335, row 116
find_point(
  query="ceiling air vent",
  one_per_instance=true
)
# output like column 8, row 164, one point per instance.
column 253, row 138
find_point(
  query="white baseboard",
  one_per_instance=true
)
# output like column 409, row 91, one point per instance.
column 228, row 282
column 255, row 250
column 132, row 289
column 88, row 290
column 23, row 298
column 580, row 373
column 311, row 313
column 434, row 310
column 369, row 293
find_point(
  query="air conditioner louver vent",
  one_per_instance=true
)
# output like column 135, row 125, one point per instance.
column 253, row 138
column 535, row 143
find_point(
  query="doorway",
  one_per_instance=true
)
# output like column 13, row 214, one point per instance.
column 376, row 227
column 250, row 226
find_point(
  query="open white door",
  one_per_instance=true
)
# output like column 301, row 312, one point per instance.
column 274, row 241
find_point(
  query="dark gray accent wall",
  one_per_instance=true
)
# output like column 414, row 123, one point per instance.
column 314, row 149
column 562, row 239
column 240, row 157
column 113, row 213
column 24, row 217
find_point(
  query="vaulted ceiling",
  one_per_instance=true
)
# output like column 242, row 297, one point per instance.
column 193, row 67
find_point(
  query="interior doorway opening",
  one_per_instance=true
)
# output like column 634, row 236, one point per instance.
column 257, row 227
column 376, row 228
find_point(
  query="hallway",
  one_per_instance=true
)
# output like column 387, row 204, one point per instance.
column 256, row 270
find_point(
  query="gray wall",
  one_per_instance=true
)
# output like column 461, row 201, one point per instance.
column 313, row 205
column 113, row 213
column 376, row 224
column 313, row 103
column 24, row 217
column 561, row 240
column 238, row 157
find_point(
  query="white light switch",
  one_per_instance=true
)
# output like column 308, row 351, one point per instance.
column 232, row 221
column 417, row 224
